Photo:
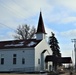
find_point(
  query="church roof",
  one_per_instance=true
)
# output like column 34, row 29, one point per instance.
column 66, row 60
column 19, row 43
column 56, row 59
column 40, row 28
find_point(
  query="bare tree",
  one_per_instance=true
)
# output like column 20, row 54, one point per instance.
column 25, row 32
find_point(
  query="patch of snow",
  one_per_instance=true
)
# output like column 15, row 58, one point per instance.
column 8, row 45
column 31, row 44
column 21, row 42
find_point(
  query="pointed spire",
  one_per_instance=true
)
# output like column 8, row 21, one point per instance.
column 40, row 28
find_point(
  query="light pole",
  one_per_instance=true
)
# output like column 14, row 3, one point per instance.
column 74, row 40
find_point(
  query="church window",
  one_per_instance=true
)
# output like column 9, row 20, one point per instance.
column 23, row 61
column 14, row 55
column 2, row 61
column 38, row 61
column 14, row 58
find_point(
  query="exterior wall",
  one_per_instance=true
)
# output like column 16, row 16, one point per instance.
column 28, row 54
column 31, row 55
column 40, row 36
column 38, row 55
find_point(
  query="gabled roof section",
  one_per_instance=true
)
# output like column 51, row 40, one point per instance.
column 64, row 60
column 30, row 43
column 40, row 28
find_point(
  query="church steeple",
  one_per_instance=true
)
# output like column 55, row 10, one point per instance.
column 40, row 34
column 40, row 28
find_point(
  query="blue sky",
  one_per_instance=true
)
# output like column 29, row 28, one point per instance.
column 59, row 17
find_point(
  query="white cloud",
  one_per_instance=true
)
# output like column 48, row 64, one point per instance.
column 68, row 20
column 69, row 33
column 63, row 11
column 66, row 53
column 48, row 31
column 21, row 10
column 70, row 4
column 24, row 10
column 67, row 50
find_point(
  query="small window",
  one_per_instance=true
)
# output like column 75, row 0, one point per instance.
column 23, row 61
column 14, row 55
column 38, row 61
column 2, row 61
column 14, row 60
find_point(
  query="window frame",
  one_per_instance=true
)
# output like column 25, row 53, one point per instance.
column 14, row 59
column 2, row 61
column 23, row 60
column 38, row 61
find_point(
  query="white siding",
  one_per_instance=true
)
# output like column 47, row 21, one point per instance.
column 31, row 55
column 38, row 50
column 40, row 36
column 28, row 54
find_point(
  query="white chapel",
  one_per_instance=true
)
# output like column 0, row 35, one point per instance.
column 26, row 55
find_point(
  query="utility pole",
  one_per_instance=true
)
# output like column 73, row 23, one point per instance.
column 74, row 40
